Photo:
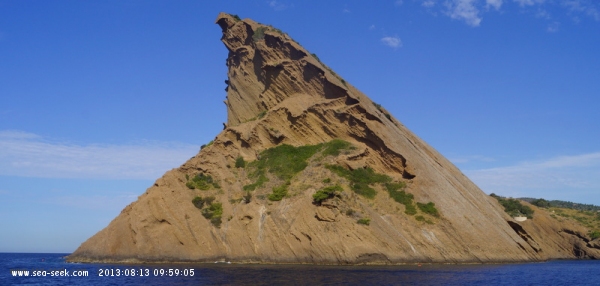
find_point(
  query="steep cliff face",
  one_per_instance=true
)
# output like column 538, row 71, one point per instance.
column 296, row 129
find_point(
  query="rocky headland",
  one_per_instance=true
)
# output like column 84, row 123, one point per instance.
column 310, row 170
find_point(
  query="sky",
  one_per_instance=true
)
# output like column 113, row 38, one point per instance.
column 99, row 98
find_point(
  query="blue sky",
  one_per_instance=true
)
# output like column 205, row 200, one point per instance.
column 100, row 98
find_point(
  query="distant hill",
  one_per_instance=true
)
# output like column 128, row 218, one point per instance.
column 561, row 204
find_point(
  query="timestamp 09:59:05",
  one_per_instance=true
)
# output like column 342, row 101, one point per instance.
column 145, row 272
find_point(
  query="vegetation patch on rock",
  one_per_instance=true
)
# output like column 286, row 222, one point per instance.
column 361, row 179
column 239, row 162
column 326, row 193
column 201, row 182
column 429, row 208
column 364, row 221
column 285, row 161
column 210, row 209
column 397, row 192
column 513, row 207
column 278, row 193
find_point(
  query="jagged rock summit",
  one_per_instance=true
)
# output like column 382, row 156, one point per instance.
column 310, row 170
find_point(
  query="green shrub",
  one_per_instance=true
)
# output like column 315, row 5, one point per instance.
column 202, row 182
column 361, row 179
column 401, row 196
column 364, row 190
column 259, row 34
column 595, row 234
column 541, row 203
column 259, row 182
column 216, row 221
column 410, row 209
column 209, row 200
column 217, row 208
column 429, row 208
column 326, row 193
column 198, row 202
column 285, row 161
column 248, row 197
column 350, row 212
column 423, row 219
column 239, row 162
column 514, row 207
column 206, row 145
column 327, row 181
column 213, row 212
column 278, row 193
column 236, row 17
column 333, row 147
column 364, row 221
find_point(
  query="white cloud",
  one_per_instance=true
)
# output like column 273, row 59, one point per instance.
column 277, row 6
column 346, row 10
column 464, row 10
column 393, row 42
column 523, row 3
column 29, row 155
column 553, row 27
column 555, row 178
column 372, row 27
column 543, row 14
column 398, row 2
column 496, row 4
column 428, row 3
column 472, row 11
column 582, row 6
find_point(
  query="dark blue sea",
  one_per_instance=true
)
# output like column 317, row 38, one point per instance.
column 51, row 269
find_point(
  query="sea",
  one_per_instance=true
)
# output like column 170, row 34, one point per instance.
column 52, row 269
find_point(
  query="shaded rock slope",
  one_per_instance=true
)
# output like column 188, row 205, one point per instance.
column 310, row 170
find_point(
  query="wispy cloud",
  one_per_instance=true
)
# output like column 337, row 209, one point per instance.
column 428, row 3
column 529, row 2
column 277, row 6
column 393, row 42
column 29, row 155
column 553, row 27
column 398, row 2
column 585, row 7
column 558, row 177
column 472, row 12
column 464, row 10
column 496, row 4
